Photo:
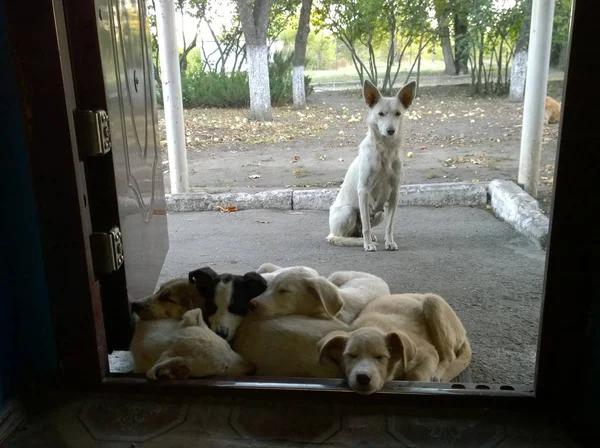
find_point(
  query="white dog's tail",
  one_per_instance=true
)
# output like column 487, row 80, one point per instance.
column 345, row 241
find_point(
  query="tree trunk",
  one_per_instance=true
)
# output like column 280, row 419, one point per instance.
column 518, row 73
column 298, row 93
column 444, row 33
column 461, row 43
column 258, row 79
column 254, row 17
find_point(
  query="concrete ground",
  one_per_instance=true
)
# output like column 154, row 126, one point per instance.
column 491, row 275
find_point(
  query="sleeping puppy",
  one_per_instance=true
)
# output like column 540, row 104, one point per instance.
column 226, row 297
column 413, row 337
column 172, row 300
column 286, row 346
column 300, row 290
column 166, row 348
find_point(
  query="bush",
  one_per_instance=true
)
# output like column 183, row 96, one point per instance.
column 202, row 89
column 280, row 78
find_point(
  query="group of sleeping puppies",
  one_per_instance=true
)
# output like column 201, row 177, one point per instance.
column 293, row 322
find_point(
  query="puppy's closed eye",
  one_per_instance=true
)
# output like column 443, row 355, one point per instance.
column 381, row 357
column 167, row 298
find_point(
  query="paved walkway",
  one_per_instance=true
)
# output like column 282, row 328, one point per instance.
column 490, row 274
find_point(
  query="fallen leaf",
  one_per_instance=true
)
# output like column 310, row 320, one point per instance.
column 263, row 222
column 254, row 176
column 228, row 209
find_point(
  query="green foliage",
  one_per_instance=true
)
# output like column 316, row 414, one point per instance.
column 209, row 89
column 491, row 37
column 560, row 30
column 280, row 76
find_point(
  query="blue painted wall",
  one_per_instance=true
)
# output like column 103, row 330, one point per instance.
column 27, row 350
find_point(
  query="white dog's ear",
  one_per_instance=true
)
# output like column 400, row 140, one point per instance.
column 169, row 368
column 332, row 346
column 401, row 348
column 266, row 268
column 327, row 293
column 370, row 93
column 192, row 318
column 406, row 95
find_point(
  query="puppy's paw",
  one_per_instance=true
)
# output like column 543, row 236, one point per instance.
column 391, row 245
column 370, row 247
column 373, row 238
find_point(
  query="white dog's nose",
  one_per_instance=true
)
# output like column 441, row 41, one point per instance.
column 391, row 131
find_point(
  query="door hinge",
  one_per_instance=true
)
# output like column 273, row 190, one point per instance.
column 107, row 250
column 93, row 132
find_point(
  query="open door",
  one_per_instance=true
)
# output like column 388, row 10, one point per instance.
column 110, row 50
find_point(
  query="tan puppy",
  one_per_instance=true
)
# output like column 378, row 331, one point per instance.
column 187, row 349
column 303, row 291
column 172, row 300
column 286, row 346
column 551, row 111
column 413, row 337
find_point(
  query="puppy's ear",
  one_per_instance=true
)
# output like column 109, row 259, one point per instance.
column 326, row 293
column 401, row 348
column 370, row 93
column 406, row 95
column 255, row 284
column 202, row 277
column 332, row 346
column 267, row 267
column 169, row 368
column 192, row 318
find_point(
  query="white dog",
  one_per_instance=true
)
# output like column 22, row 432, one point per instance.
column 168, row 348
column 371, row 186
column 302, row 291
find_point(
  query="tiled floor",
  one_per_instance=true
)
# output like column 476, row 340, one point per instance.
column 125, row 422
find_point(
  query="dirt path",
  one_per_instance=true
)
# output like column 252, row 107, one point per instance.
column 453, row 136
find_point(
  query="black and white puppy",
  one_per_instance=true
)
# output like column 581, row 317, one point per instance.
column 226, row 297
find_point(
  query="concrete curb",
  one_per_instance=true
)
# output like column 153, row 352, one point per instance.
column 520, row 210
column 443, row 194
column 200, row 202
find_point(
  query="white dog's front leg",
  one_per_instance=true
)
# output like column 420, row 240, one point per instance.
column 392, row 206
column 363, row 205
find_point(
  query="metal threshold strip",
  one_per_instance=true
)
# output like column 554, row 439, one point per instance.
column 329, row 385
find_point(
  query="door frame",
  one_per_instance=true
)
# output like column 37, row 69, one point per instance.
column 50, row 93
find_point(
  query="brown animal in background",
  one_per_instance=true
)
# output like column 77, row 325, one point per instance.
column 551, row 111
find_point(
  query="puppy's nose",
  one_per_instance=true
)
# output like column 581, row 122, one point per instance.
column 223, row 332
column 391, row 131
column 252, row 305
column 363, row 379
column 135, row 307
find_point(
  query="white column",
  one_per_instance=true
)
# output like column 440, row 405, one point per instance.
column 538, row 61
column 171, row 87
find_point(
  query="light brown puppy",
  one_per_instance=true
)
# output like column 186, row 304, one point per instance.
column 302, row 291
column 285, row 346
column 551, row 111
column 189, row 349
column 172, row 300
column 413, row 337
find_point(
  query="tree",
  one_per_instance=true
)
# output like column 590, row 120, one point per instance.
column 363, row 26
column 195, row 9
column 442, row 15
column 519, row 67
column 254, row 18
column 301, row 42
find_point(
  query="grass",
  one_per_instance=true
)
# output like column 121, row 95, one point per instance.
column 349, row 73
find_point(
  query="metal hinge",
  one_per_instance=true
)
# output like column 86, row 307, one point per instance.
column 93, row 133
column 107, row 251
